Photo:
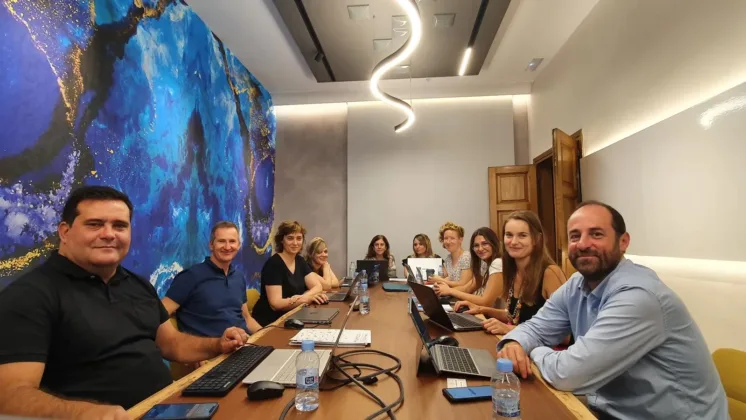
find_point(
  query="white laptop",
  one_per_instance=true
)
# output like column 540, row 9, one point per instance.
column 421, row 265
column 279, row 366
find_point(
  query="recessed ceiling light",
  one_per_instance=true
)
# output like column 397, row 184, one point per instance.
column 464, row 62
column 359, row 12
column 381, row 44
column 444, row 20
column 534, row 64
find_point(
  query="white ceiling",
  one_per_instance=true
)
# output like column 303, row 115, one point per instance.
column 255, row 33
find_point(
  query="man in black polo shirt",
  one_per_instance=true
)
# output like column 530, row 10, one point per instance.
column 81, row 336
column 211, row 296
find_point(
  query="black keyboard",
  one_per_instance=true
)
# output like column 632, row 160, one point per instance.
column 457, row 359
column 463, row 322
column 219, row 380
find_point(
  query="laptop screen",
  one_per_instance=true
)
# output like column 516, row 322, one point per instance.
column 419, row 323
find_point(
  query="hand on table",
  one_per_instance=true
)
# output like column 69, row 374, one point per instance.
column 233, row 338
column 495, row 326
column 521, row 362
column 474, row 309
column 442, row 289
column 320, row 299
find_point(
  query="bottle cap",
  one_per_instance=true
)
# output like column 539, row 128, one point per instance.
column 504, row 365
column 308, row 345
column 365, row 272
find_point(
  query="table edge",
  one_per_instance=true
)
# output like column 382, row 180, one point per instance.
column 145, row 405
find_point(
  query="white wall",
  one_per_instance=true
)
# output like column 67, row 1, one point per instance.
column 632, row 63
column 623, row 77
column 412, row 182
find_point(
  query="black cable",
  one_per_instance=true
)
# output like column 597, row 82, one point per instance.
column 340, row 363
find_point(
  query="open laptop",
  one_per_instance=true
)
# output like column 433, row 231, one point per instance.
column 314, row 315
column 344, row 293
column 434, row 310
column 371, row 265
column 279, row 366
column 445, row 300
column 453, row 360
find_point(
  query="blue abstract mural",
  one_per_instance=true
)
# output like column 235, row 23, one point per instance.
column 141, row 96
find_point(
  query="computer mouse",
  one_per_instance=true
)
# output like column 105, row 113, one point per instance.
column 295, row 324
column 445, row 340
column 462, row 309
column 264, row 390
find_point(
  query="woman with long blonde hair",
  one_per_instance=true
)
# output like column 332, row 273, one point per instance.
column 317, row 257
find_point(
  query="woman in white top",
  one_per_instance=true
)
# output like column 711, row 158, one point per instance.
column 457, row 265
column 484, row 287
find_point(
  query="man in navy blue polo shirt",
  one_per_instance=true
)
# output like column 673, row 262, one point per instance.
column 211, row 296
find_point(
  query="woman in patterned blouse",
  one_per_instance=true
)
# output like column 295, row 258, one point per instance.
column 457, row 265
column 378, row 249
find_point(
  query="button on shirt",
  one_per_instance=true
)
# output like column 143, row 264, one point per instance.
column 97, row 339
column 638, row 353
column 209, row 300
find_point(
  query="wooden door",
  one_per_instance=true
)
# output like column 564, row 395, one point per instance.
column 566, row 162
column 511, row 188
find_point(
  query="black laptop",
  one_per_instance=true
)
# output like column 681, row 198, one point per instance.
column 449, row 359
column 344, row 292
column 313, row 315
column 434, row 310
column 372, row 265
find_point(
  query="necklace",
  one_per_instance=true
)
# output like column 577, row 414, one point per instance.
column 515, row 318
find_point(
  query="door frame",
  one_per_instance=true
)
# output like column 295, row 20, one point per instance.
column 544, row 156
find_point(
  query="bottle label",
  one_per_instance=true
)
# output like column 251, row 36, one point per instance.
column 307, row 378
column 506, row 407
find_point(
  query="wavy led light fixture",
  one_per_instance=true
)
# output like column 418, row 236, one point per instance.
column 399, row 56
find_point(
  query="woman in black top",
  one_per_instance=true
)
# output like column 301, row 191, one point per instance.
column 530, row 275
column 287, row 280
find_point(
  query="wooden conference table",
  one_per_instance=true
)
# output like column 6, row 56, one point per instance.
column 392, row 332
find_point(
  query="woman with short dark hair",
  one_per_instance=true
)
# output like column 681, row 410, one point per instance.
column 287, row 280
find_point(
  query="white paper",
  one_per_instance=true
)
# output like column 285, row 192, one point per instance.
column 456, row 383
column 447, row 308
column 327, row 337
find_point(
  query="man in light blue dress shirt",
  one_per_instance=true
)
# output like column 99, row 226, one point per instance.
column 638, row 354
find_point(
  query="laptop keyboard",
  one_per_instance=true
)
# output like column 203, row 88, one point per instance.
column 287, row 374
column 463, row 322
column 219, row 380
column 457, row 359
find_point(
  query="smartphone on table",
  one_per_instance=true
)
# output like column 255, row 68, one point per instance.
column 468, row 393
column 199, row 411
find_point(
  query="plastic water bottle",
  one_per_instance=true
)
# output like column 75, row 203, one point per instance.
column 364, row 296
column 356, row 288
column 307, row 378
column 353, row 269
column 440, row 271
column 506, row 392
